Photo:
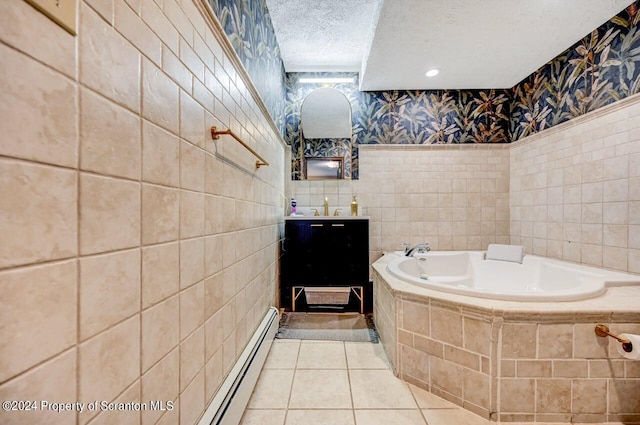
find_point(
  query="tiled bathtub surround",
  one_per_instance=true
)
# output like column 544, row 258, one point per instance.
column 510, row 361
column 575, row 189
column 137, row 255
column 452, row 196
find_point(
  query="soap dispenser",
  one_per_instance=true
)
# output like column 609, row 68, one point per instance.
column 354, row 206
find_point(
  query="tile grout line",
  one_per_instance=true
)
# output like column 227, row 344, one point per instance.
column 293, row 378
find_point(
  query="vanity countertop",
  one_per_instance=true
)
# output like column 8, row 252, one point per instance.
column 327, row 217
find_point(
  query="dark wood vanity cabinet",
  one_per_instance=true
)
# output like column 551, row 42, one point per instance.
column 324, row 252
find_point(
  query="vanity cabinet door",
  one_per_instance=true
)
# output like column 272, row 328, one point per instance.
column 302, row 261
column 349, row 247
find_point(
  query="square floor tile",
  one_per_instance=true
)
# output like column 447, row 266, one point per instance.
column 426, row 400
column 272, row 389
column 263, row 417
column 453, row 417
column 390, row 417
column 282, row 355
column 322, row 355
column 320, row 389
column 365, row 355
column 379, row 389
column 320, row 417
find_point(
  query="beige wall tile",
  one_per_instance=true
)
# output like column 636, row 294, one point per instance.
column 109, row 214
column 191, row 167
column 160, row 156
column 476, row 387
column 570, row 368
column 589, row 396
column 462, row 357
column 38, row 315
column 39, row 220
column 191, row 214
column 158, row 22
column 191, row 262
column 586, row 344
column 109, row 290
column 213, row 255
column 192, row 126
column 517, row 395
column 415, row 318
column 160, row 331
column 108, row 350
column 620, row 399
column 191, row 357
column 191, row 309
column 160, row 273
column 553, row 396
column 108, row 63
column 477, row 336
column 131, row 26
column 555, row 341
column 534, row 368
column 159, row 97
column 192, row 400
column 161, row 382
column 110, row 137
column 53, row 380
column 22, row 24
column 124, row 417
column 446, row 326
column 28, row 87
column 518, row 341
column 160, row 212
column 213, row 374
column 214, row 335
column 446, row 376
column 214, row 297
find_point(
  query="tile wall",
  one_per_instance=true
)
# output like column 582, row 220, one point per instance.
column 137, row 254
column 575, row 189
column 511, row 366
column 455, row 197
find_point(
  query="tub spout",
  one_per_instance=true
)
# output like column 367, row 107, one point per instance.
column 421, row 248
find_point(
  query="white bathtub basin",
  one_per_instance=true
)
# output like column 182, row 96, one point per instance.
column 536, row 279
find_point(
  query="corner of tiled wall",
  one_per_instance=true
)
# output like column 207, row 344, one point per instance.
column 574, row 189
column 138, row 255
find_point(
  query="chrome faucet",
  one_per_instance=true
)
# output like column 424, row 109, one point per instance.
column 421, row 248
column 326, row 206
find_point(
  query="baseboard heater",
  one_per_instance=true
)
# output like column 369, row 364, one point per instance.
column 229, row 403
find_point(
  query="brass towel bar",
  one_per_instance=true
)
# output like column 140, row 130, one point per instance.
column 215, row 135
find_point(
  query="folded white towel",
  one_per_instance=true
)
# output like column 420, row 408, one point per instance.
column 514, row 253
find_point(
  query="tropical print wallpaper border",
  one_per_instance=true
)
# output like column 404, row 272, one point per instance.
column 248, row 26
column 596, row 71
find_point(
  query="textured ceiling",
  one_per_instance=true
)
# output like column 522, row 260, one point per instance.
column 474, row 44
column 323, row 35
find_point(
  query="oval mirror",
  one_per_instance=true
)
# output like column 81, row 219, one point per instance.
column 326, row 114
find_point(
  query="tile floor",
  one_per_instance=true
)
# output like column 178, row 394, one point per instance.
column 342, row 383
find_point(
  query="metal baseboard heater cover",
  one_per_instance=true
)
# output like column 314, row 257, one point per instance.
column 227, row 407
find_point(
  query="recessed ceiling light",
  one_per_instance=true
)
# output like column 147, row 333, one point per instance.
column 432, row 73
column 319, row 80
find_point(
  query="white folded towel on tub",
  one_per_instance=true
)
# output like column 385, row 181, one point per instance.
column 513, row 253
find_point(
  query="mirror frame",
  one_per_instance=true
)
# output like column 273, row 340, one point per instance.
column 339, row 173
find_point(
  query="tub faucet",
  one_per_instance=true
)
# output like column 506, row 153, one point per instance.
column 326, row 206
column 421, row 248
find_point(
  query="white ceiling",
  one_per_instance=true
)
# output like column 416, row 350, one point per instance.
column 323, row 35
column 475, row 44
